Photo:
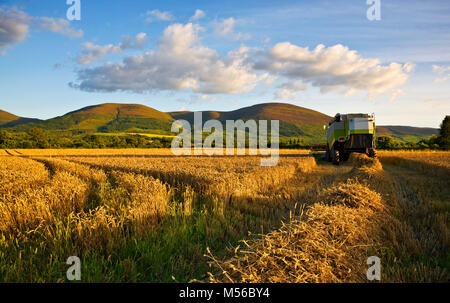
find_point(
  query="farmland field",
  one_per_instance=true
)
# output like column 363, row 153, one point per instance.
column 143, row 215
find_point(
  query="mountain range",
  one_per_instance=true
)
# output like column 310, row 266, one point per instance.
column 295, row 121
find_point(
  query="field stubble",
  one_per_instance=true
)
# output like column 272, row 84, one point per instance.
column 137, row 216
column 398, row 214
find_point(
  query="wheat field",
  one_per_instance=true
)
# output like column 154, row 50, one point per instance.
column 143, row 215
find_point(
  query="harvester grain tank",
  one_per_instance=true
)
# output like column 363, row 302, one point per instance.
column 350, row 133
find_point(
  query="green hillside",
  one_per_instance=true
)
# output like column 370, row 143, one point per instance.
column 406, row 133
column 108, row 117
column 122, row 110
column 6, row 117
column 296, row 123
column 270, row 111
column 10, row 120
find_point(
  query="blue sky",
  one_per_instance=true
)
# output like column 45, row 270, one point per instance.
column 234, row 54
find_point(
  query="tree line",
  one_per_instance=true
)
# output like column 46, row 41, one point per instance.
column 441, row 141
column 39, row 138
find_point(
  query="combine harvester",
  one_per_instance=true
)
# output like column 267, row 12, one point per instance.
column 350, row 133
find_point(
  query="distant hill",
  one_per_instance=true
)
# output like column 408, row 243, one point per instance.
column 10, row 120
column 6, row 117
column 122, row 110
column 271, row 111
column 406, row 130
column 109, row 117
column 406, row 133
column 295, row 121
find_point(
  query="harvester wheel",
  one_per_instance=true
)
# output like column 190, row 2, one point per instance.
column 327, row 155
column 335, row 156
column 372, row 153
column 345, row 156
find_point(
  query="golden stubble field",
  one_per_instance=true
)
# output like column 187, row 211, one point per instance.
column 135, row 215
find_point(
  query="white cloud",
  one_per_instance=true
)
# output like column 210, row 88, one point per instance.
column 441, row 79
column 441, row 70
column 60, row 26
column 15, row 26
column 350, row 91
column 285, row 94
column 199, row 14
column 409, row 67
column 140, row 40
column 92, row 53
column 225, row 28
column 269, row 80
column 180, row 62
column 335, row 68
column 396, row 93
column 210, row 99
column 290, row 90
column 242, row 36
column 158, row 15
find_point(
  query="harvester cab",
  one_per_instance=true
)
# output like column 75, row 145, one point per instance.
column 350, row 133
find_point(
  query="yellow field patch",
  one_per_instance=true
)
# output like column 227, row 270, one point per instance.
column 141, row 208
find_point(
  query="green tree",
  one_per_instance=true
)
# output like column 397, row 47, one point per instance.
column 4, row 136
column 444, row 133
column 39, row 137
